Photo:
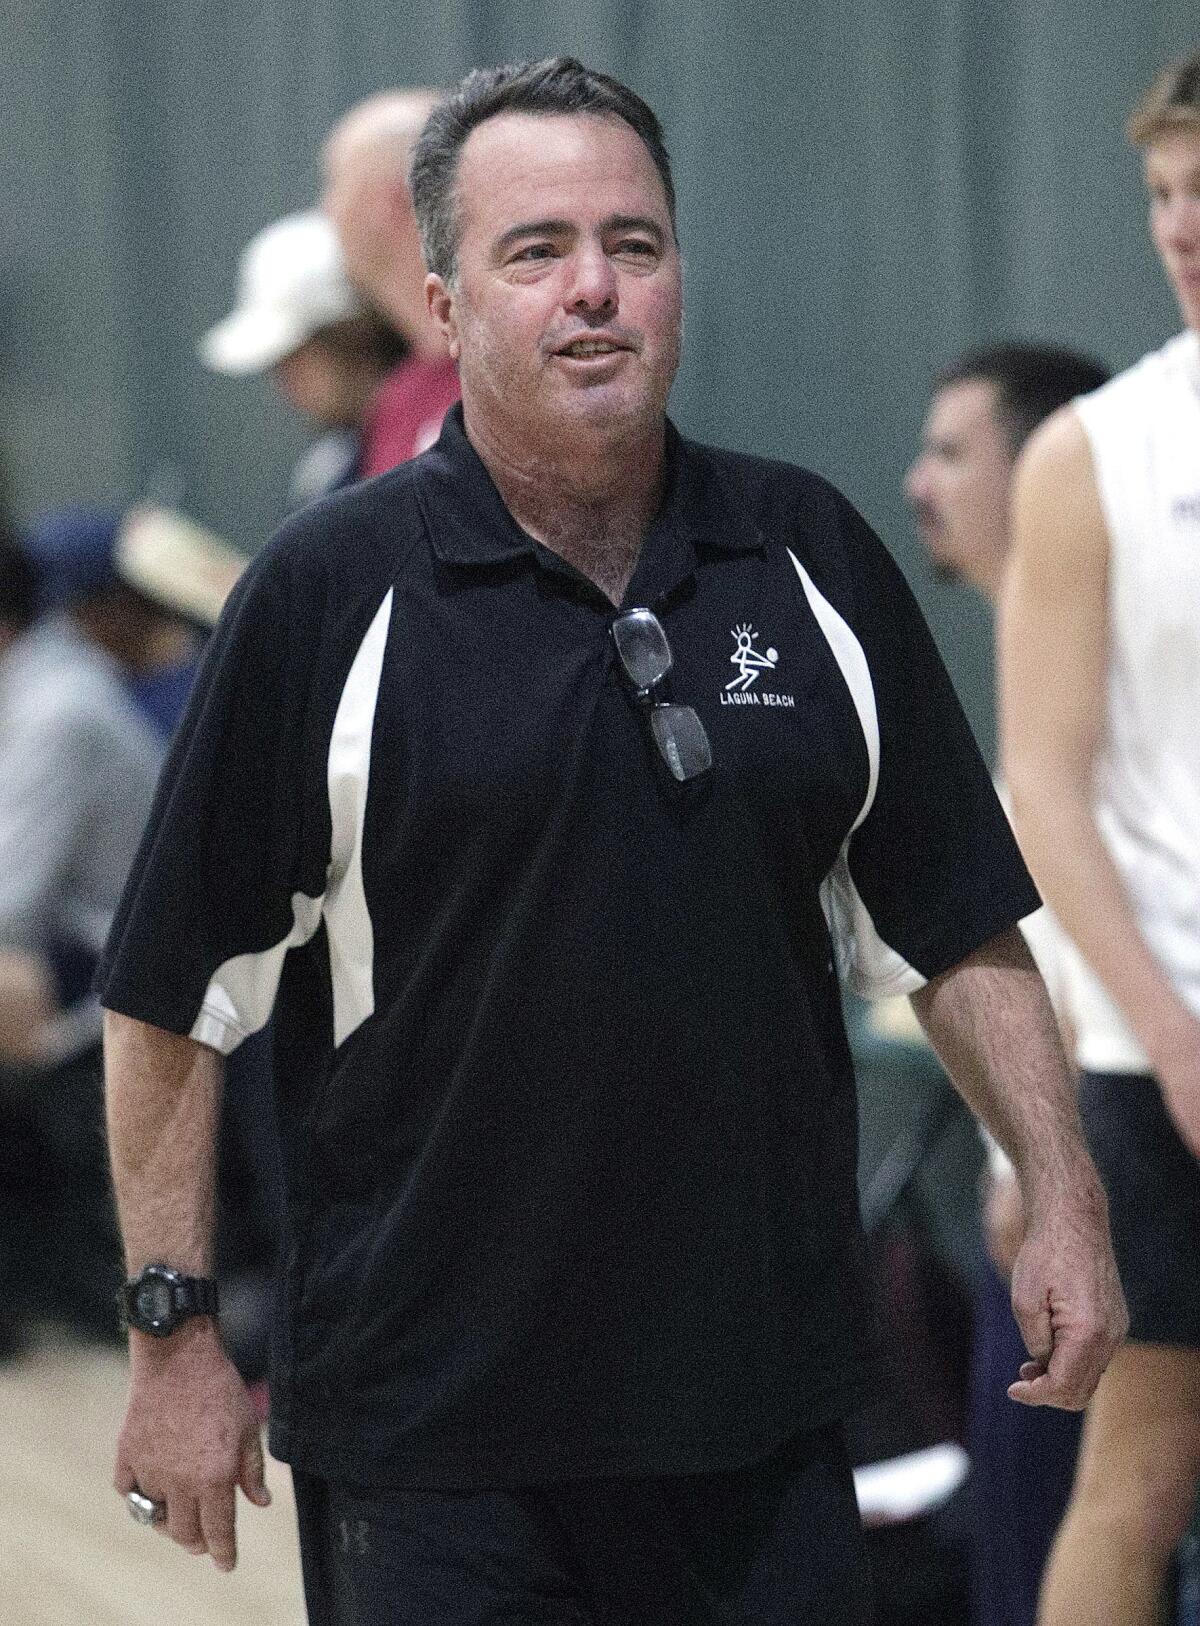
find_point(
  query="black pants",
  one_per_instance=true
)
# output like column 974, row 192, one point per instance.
column 1153, row 1186
column 775, row 1544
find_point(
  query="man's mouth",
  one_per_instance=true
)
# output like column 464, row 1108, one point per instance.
column 582, row 349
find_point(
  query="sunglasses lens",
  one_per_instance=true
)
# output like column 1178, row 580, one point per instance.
column 643, row 648
column 681, row 740
column 678, row 732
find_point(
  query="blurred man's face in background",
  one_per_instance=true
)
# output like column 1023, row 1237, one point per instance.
column 314, row 380
column 1173, row 181
column 359, row 194
column 959, row 485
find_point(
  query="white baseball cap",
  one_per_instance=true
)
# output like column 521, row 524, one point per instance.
column 291, row 283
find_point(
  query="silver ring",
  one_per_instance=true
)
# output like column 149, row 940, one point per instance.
column 143, row 1509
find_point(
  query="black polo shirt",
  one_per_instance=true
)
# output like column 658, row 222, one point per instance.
column 568, row 1109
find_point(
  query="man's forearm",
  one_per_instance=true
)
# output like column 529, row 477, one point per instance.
column 190, row 1435
column 990, row 1021
column 162, row 1101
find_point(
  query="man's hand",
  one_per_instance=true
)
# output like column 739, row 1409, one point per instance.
column 1067, row 1299
column 190, row 1438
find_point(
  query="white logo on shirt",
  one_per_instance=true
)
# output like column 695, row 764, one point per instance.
column 749, row 662
column 747, row 659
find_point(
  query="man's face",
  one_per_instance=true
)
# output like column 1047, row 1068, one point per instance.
column 1173, row 181
column 959, row 485
column 567, row 301
column 317, row 382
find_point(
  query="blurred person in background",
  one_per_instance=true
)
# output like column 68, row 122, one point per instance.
column 186, row 572
column 298, row 318
column 984, row 407
column 366, row 196
column 78, row 764
column 1100, row 677
column 100, row 612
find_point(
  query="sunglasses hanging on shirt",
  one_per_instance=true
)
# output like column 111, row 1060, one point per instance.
column 645, row 656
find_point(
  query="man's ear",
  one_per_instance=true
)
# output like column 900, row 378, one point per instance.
column 439, row 300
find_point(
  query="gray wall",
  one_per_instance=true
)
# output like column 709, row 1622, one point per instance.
column 864, row 189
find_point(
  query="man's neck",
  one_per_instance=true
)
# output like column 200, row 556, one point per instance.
column 589, row 498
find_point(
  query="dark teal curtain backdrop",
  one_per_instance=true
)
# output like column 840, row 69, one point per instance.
column 864, row 189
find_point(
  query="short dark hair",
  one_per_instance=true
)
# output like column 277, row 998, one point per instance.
column 1031, row 382
column 18, row 584
column 1171, row 103
column 559, row 84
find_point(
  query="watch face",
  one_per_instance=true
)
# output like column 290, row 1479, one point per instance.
column 154, row 1300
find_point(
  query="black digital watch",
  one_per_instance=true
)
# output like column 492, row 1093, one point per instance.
column 159, row 1298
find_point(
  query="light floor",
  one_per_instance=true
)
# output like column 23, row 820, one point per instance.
column 70, row 1555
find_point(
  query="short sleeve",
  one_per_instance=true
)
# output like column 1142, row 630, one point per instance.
column 932, row 870
column 232, row 865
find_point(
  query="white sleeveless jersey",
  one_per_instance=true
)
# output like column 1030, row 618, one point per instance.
column 1144, row 430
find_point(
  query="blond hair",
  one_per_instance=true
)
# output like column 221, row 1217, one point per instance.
column 1172, row 103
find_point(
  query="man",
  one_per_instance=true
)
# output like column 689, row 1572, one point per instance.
column 575, row 1299
column 1100, row 648
column 984, row 407
column 298, row 318
column 366, row 196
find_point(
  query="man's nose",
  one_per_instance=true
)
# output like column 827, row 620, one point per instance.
column 1181, row 223
column 915, row 481
column 593, row 285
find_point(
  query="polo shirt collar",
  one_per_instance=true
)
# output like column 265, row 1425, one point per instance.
column 470, row 525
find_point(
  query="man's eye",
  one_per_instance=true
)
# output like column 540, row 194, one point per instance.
column 639, row 246
column 534, row 251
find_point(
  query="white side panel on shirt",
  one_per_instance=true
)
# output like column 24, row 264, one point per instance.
column 239, row 998
column 868, row 964
column 347, row 918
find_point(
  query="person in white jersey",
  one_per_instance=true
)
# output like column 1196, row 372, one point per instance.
column 1100, row 659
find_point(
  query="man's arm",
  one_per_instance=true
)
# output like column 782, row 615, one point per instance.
column 990, row 1021
column 1053, row 680
column 190, row 1435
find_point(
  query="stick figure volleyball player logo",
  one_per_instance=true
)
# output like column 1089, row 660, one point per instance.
column 747, row 659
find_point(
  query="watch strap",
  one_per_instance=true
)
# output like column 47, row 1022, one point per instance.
column 197, row 1295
